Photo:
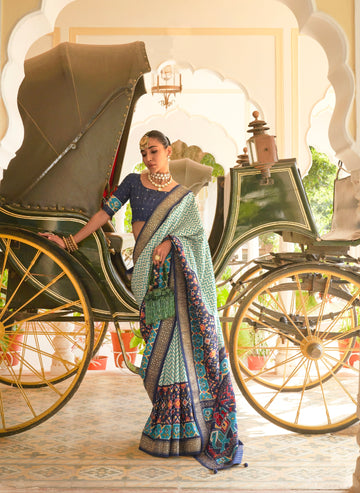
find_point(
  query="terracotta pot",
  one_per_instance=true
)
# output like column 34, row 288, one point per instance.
column 255, row 362
column 98, row 363
column 13, row 349
column 131, row 352
column 354, row 354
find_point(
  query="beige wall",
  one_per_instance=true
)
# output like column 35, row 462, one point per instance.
column 11, row 12
column 343, row 12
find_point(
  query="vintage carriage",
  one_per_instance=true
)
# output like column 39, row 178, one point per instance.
column 295, row 310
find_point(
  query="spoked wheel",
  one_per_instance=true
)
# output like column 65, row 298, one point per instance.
column 16, row 342
column 233, row 300
column 286, row 347
column 46, row 331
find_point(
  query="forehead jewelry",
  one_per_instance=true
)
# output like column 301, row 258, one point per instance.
column 144, row 143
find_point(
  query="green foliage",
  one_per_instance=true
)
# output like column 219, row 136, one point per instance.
column 137, row 341
column 139, row 167
column 249, row 337
column 128, row 218
column 319, row 185
column 4, row 285
column 8, row 337
column 209, row 160
column 222, row 293
column 272, row 239
column 128, row 212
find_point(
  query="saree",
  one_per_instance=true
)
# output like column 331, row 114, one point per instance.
column 184, row 367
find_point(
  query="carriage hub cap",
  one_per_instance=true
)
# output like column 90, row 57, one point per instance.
column 2, row 331
column 312, row 347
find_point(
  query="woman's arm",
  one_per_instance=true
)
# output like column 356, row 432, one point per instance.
column 96, row 221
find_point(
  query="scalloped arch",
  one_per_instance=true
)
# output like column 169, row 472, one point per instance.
column 331, row 37
column 311, row 22
column 25, row 33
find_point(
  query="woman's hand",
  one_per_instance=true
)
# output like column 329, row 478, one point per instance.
column 55, row 238
column 161, row 252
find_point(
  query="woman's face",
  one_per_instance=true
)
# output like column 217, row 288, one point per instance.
column 156, row 156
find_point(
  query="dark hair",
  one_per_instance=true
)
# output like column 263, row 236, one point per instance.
column 156, row 134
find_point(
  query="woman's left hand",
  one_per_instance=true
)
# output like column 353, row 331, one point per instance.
column 161, row 252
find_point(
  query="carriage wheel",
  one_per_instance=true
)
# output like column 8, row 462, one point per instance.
column 233, row 300
column 46, row 332
column 294, row 321
column 29, row 329
column 100, row 329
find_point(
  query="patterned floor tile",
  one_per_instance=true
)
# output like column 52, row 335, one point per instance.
column 92, row 445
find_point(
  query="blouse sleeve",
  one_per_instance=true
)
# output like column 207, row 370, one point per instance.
column 118, row 197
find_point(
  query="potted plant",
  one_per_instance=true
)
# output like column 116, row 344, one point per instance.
column 346, row 345
column 98, row 362
column 133, row 342
column 256, row 357
column 10, row 346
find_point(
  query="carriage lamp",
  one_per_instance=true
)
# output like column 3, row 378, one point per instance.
column 263, row 152
column 167, row 82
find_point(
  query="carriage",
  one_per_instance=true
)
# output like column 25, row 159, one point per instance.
column 296, row 309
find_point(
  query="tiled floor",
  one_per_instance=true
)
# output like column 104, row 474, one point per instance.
column 91, row 445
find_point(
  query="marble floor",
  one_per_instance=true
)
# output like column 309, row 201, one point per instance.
column 91, row 445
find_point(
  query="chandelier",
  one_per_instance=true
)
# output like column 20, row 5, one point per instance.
column 167, row 82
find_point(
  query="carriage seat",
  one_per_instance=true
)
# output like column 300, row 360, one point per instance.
column 114, row 241
column 345, row 224
column 115, row 245
column 191, row 174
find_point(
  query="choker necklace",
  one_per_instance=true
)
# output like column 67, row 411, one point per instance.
column 165, row 179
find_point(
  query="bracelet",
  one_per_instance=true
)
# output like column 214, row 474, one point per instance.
column 70, row 244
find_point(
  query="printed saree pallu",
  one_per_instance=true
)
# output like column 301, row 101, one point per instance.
column 184, row 366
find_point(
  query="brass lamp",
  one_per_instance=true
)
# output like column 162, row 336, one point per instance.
column 263, row 152
column 167, row 82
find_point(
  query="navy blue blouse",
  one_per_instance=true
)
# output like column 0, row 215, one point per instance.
column 143, row 200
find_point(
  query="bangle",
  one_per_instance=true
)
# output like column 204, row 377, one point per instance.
column 70, row 244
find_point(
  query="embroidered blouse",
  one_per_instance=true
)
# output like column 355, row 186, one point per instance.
column 143, row 200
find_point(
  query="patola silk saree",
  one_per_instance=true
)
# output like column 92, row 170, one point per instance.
column 184, row 367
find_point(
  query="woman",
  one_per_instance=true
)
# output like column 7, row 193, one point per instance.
column 184, row 365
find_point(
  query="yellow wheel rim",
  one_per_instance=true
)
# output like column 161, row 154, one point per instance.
column 46, row 332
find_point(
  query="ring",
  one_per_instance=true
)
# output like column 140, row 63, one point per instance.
column 157, row 257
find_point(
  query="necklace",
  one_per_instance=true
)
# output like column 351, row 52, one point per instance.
column 165, row 179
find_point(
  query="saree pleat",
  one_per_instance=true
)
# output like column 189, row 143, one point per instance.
column 184, row 366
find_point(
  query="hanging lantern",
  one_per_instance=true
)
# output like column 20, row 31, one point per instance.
column 263, row 152
column 167, row 82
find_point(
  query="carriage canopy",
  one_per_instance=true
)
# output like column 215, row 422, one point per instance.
column 76, row 102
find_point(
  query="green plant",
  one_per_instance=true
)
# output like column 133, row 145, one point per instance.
column 347, row 325
column 270, row 239
column 252, row 341
column 128, row 213
column 258, row 342
column 209, row 160
column 222, row 292
column 6, row 340
column 319, row 185
column 137, row 340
